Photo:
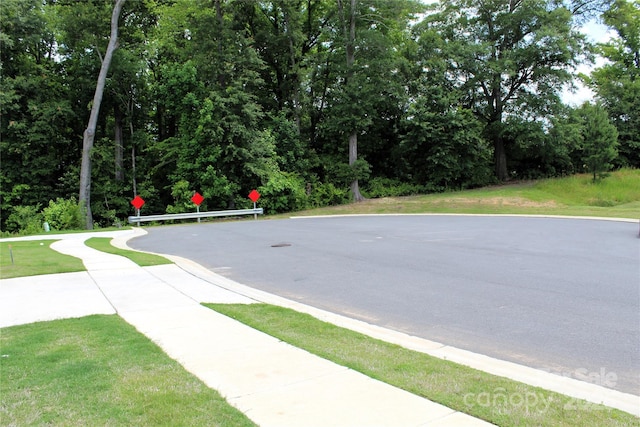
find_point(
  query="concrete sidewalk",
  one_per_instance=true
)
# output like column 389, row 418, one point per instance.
column 273, row 383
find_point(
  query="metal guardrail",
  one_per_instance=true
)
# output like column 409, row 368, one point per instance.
column 190, row 215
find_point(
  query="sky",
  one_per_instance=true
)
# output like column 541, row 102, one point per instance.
column 597, row 33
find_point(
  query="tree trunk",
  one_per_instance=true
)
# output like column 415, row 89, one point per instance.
column 350, row 45
column 495, row 133
column 500, row 158
column 119, row 145
column 353, row 156
column 90, row 131
column 295, row 80
column 220, row 19
column 134, row 183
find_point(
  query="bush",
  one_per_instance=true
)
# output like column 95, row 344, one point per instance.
column 181, row 193
column 217, row 190
column 283, row 192
column 63, row 214
column 25, row 220
column 344, row 173
column 327, row 195
column 386, row 187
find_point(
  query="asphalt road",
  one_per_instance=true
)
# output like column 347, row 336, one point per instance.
column 561, row 295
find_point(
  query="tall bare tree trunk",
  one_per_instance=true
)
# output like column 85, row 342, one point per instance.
column 350, row 40
column 294, row 67
column 134, row 183
column 220, row 19
column 90, row 131
column 119, row 144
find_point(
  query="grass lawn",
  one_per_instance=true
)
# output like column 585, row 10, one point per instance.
column 142, row 259
column 616, row 196
column 498, row 400
column 98, row 370
column 31, row 258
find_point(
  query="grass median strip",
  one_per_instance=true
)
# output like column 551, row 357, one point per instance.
column 498, row 400
column 34, row 257
column 98, row 370
column 141, row 258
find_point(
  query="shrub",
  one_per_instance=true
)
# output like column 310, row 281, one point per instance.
column 283, row 192
column 344, row 173
column 181, row 193
column 327, row 194
column 386, row 187
column 218, row 191
column 63, row 214
column 25, row 220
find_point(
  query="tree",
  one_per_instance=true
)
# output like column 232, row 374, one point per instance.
column 36, row 116
column 507, row 58
column 349, row 30
column 89, row 133
column 599, row 139
column 617, row 83
column 210, row 122
column 587, row 9
column 442, row 146
column 364, row 92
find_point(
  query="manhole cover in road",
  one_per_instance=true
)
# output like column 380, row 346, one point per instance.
column 280, row 245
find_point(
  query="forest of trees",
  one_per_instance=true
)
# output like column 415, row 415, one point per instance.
column 312, row 102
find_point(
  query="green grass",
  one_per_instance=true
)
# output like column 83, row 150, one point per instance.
column 495, row 399
column 619, row 189
column 31, row 258
column 142, row 259
column 98, row 370
column 615, row 196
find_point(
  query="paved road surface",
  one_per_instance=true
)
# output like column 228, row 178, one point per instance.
column 556, row 294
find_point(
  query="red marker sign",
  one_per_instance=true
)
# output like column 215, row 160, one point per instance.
column 254, row 196
column 197, row 198
column 137, row 202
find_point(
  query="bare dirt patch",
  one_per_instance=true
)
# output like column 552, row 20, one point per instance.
column 496, row 201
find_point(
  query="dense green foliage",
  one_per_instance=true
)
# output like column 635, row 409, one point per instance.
column 223, row 96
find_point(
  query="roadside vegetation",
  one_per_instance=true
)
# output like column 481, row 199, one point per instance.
column 578, row 195
column 98, row 370
column 495, row 399
column 616, row 196
column 141, row 258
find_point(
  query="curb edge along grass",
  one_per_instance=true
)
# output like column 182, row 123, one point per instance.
column 570, row 387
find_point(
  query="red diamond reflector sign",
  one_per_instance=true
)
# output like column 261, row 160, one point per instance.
column 254, row 196
column 197, row 198
column 137, row 202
